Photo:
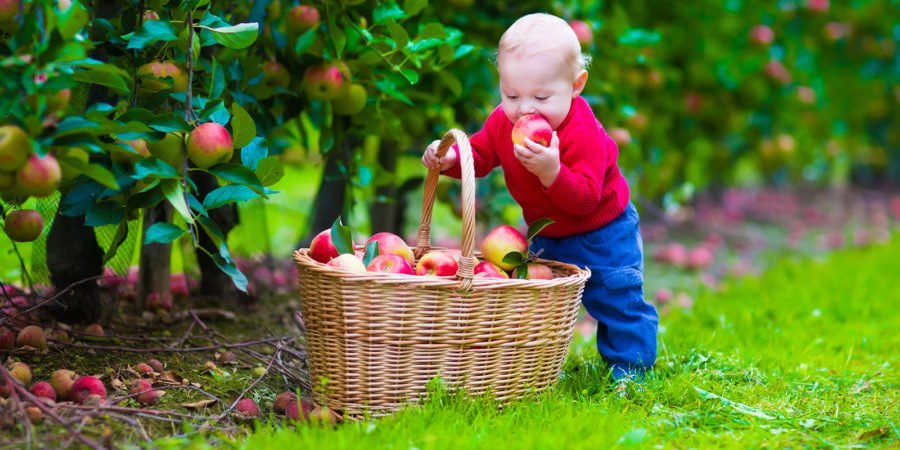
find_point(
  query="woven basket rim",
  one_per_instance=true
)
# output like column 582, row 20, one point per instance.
column 575, row 275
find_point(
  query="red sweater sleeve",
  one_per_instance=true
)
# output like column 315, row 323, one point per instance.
column 484, row 153
column 582, row 168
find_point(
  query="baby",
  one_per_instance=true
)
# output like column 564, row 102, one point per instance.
column 575, row 181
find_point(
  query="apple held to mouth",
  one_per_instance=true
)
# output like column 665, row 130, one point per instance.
column 534, row 127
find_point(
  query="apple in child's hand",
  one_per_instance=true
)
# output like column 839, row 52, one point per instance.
column 488, row 269
column 501, row 241
column 390, row 264
column 437, row 263
column 349, row 262
column 534, row 127
column 391, row 244
column 322, row 248
column 536, row 271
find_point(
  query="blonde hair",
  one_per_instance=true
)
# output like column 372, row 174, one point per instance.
column 541, row 32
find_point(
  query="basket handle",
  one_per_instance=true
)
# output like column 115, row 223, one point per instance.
column 467, row 262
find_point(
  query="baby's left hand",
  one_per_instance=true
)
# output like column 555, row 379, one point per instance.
column 542, row 161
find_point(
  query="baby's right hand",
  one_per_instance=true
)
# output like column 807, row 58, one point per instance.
column 431, row 160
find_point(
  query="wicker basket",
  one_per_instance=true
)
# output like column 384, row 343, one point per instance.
column 378, row 339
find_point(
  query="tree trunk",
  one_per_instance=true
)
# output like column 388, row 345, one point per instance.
column 156, row 258
column 332, row 193
column 73, row 255
column 383, row 212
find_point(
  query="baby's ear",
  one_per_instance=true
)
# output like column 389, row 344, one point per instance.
column 578, row 85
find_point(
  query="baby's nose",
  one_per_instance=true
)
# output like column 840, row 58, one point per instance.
column 527, row 108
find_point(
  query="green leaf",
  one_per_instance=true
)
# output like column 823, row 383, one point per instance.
column 371, row 252
column 451, row 82
column 414, row 7
column 237, row 173
column 398, row 33
column 253, row 152
column 425, row 44
column 105, row 75
column 269, row 171
column 521, row 271
column 341, row 237
column 162, row 233
column 514, row 258
column 224, row 195
column 235, row 37
column 153, row 166
column 217, row 86
column 228, row 267
column 174, row 193
column 387, row 11
column 72, row 20
column 118, row 239
column 216, row 112
column 305, row 41
column 411, row 75
column 104, row 213
column 152, row 32
column 433, row 30
column 242, row 126
column 95, row 172
column 388, row 87
column 535, row 227
column 339, row 39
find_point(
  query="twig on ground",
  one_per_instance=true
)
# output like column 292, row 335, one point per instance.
column 168, row 349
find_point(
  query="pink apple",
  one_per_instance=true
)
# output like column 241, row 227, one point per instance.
column 210, row 144
column 7, row 339
column 762, row 35
column 87, row 389
column 488, row 269
column 32, row 336
column 621, row 135
column 582, row 32
column 282, row 401
column 699, row 258
column 247, row 409
column 820, row 6
column 501, row 241
column 43, row 389
column 348, row 262
column 301, row 18
column 537, row 271
column 323, row 82
column 391, row 244
column 39, row 176
column 836, row 30
column 534, row 127
column 23, row 225
column 390, row 264
column 437, row 263
column 322, row 248
column 776, row 71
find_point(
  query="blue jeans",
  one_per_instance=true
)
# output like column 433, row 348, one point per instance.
column 614, row 295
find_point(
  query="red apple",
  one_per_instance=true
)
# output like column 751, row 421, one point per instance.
column 246, row 409
column 9, row 11
column 391, row 244
column 299, row 409
column 762, row 35
column 39, row 176
column 282, row 401
column 62, row 381
column 534, row 127
column 776, row 71
column 323, row 82
column 390, row 264
column 501, row 241
column 322, row 248
column 23, row 225
column 349, row 262
column 156, row 365
column 7, row 339
column 437, row 263
column 153, row 74
column 819, row 6
column 159, row 302
column 143, row 368
column 490, row 270
column 210, row 144
column 621, row 135
column 582, row 32
column 43, row 389
column 144, row 393
column 87, row 389
column 94, row 329
column 301, row 18
column 32, row 336
column 275, row 75
column 537, row 271
column 836, row 30
column 14, row 147
column 150, row 15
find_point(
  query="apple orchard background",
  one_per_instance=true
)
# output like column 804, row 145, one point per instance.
column 330, row 105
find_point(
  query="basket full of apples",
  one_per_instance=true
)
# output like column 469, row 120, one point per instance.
column 383, row 320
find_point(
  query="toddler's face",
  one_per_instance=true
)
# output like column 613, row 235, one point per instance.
column 537, row 82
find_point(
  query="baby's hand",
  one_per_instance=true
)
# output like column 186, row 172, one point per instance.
column 431, row 160
column 542, row 161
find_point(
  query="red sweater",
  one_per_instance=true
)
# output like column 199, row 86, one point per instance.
column 589, row 191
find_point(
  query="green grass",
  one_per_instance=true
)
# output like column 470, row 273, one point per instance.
column 804, row 356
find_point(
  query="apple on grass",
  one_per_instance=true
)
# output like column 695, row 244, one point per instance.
column 534, row 127
column 501, row 241
column 390, row 264
column 437, row 263
column 62, row 381
column 391, row 244
column 88, row 389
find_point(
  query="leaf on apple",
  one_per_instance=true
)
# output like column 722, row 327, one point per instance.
column 522, row 271
column 371, row 252
column 536, row 228
column 514, row 258
column 342, row 237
